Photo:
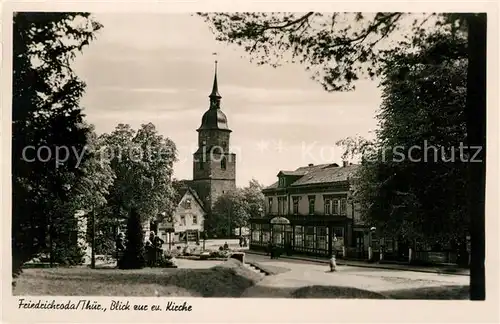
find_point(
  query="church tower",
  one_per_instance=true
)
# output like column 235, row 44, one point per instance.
column 214, row 166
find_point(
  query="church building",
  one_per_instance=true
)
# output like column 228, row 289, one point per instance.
column 214, row 173
column 214, row 166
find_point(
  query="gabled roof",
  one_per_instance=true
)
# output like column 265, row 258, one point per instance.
column 182, row 187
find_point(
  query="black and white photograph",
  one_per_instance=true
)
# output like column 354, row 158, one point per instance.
column 249, row 154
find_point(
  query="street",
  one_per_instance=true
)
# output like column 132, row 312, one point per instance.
column 304, row 273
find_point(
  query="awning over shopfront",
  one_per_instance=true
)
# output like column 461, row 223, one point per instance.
column 280, row 220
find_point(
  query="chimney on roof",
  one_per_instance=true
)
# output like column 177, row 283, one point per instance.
column 345, row 163
column 310, row 164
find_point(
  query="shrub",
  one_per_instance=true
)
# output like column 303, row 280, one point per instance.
column 168, row 254
column 133, row 258
column 220, row 254
column 68, row 255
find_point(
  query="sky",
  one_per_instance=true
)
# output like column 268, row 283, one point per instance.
column 159, row 68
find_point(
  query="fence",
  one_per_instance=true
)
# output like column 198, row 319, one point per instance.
column 436, row 257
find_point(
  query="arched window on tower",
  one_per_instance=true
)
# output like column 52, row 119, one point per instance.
column 223, row 163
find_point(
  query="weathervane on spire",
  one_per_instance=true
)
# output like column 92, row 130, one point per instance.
column 215, row 54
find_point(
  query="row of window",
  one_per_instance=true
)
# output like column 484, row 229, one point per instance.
column 223, row 164
column 332, row 206
column 306, row 237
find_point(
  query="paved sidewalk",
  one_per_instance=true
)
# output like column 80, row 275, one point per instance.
column 428, row 269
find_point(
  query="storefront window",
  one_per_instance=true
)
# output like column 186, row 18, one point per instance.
column 256, row 233
column 266, row 235
column 321, row 238
column 338, row 237
column 309, row 237
column 278, row 234
column 299, row 237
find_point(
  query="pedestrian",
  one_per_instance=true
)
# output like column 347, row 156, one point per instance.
column 120, row 247
column 151, row 249
column 226, row 246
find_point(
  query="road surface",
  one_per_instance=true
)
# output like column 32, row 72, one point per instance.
column 304, row 273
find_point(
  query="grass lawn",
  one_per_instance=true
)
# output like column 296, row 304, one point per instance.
column 429, row 293
column 441, row 292
column 227, row 280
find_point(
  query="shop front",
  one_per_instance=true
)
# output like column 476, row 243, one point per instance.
column 308, row 235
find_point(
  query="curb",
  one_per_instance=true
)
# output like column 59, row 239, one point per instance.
column 373, row 266
column 194, row 258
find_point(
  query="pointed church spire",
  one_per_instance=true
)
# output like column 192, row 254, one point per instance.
column 215, row 88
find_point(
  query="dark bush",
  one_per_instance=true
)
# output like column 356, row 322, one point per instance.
column 133, row 258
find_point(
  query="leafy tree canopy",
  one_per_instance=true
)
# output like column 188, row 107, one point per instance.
column 142, row 162
column 338, row 48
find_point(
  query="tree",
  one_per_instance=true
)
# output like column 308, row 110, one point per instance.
column 230, row 211
column 254, row 198
column 234, row 209
column 142, row 163
column 46, row 113
column 91, row 197
column 338, row 54
column 133, row 257
column 414, row 184
column 355, row 148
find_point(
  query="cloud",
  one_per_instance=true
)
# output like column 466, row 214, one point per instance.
column 302, row 97
column 159, row 68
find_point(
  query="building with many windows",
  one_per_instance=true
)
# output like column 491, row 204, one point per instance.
column 310, row 211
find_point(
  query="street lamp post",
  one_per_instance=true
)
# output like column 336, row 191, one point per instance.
column 92, row 261
column 229, row 218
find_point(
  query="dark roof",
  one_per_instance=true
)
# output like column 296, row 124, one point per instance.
column 310, row 168
column 182, row 187
column 215, row 87
column 214, row 119
column 318, row 174
column 273, row 186
column 327, row 175
column 292, row 173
